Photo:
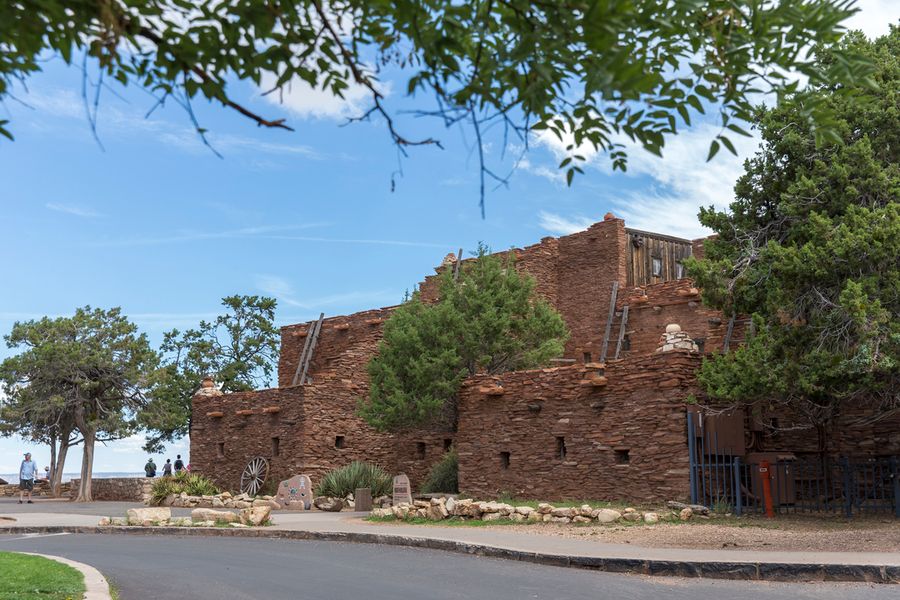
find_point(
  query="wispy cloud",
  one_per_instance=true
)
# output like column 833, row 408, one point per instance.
column 284, row 292
column 263, row 231
column 73, row 209
column 363, row 241
column 561, row 225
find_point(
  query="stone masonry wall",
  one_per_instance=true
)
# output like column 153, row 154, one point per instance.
column 626, row 439
column 41, row 489
column 121, row 489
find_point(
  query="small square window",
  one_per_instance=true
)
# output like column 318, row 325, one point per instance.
column 276, row 446
column 220, row 449
column 587, row 357
column 679, row 270
column 622, row 457
column 420, row 449
column 504, row 460
column 448, row 443
column 561, row 448
column 338, row 441
column 656, row 265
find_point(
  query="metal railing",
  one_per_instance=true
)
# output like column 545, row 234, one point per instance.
column 819, row 484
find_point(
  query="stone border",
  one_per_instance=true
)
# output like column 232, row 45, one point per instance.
column 740, row 570
column 96, row 587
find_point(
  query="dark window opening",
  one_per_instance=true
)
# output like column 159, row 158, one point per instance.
column 701, row 343
column 504, row 460
column 561, row 448
column 587, row 357
column 276, row 446
column 220, row 449
column 656, row 264
column 448, row 443
column 338, row 441
column 679, row 270
column 622, row 457
column 420, row 449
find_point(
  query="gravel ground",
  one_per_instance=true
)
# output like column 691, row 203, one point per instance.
column 783, row 533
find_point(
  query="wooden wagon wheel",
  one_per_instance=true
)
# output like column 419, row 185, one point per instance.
column 254, row 476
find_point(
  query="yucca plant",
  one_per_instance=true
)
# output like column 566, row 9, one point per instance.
column 444, row 475
column 344, row 481
column 193, row 484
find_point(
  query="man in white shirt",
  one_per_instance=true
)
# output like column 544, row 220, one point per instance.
column 26, row 478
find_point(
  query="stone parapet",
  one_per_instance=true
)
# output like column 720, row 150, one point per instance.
column 122, row 489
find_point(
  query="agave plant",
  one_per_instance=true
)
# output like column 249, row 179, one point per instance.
column 344, row 481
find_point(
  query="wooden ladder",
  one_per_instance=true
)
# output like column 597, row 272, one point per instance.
column 312, row 336
column 613, row 297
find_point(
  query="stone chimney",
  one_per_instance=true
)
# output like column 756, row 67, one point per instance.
column 208, row 388
column 675, row 339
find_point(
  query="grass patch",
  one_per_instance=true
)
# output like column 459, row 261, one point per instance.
column 24, row 577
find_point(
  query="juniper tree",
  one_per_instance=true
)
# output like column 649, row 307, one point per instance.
column 811, row 248
column 489, row 320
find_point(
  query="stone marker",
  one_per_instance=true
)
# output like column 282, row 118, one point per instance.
column 362, row 499
column 402, row 491
column 295, row 493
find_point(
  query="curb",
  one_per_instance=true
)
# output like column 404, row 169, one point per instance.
column 739, row 570
column 96, row 587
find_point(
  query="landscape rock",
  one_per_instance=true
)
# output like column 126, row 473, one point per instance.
column 256, row 515
column 651, row 518
column 606, row 515
column 104, row 522
column 524, row 510
column 493, row 516
column 544, row 508
column 564, row 512
column 138, row 516
column 328, row 504
column 586, row 510
column 534, row 517
column 560, row 519
column 382, row 512
column 686, row 513
column 118, row 521
column 437, row 511
column 518, row 517
column 451, row 505
column 209, row 514
column 697, row 509
column 631, row 516
column 581, row 519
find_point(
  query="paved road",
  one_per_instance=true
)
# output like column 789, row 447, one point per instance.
column 242, row 569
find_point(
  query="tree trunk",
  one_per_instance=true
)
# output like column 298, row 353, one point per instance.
column 53, row 438
column 56, row 471
column 87, row 465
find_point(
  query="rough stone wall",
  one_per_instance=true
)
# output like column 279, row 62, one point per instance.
column 652, row 307
column 41, row 489
column 121, row 489
column 639, row 411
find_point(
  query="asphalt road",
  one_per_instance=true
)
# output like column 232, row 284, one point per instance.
column 162, row 567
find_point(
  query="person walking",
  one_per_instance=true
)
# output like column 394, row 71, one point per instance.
column 27, row 471
column 179, row 464
column 150, row 468
column 167, row 468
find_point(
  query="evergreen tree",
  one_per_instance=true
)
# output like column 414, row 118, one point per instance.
column 487, row 321
column 811, row 248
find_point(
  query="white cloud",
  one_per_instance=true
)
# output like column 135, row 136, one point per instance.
column 284, row 292
column 874, row 17
column 263, row 231
column 72, row 209
column 305, row 101
column 561, row 225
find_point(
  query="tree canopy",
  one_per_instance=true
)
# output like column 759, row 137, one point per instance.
column 602, row 71
column 238, row 350
column 91, row 370
column 487, row 320
column 810, row 248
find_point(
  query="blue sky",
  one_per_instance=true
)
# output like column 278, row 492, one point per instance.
column 154, row 222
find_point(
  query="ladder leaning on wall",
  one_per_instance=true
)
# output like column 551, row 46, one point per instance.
column 309, row 346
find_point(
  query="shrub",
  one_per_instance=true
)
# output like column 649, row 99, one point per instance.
column 192, row 484
column 444, row 475
column 344, row 481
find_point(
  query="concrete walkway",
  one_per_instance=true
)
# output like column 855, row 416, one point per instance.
column 66, row 514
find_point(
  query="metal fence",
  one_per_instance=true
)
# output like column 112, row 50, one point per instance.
column 823, row 483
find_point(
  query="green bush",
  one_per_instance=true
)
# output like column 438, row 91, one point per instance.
column 444, row 475
column 344, row 481
column 192, row 484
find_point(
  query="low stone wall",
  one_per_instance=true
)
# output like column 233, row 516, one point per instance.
column 123, row 489
column 41, row 489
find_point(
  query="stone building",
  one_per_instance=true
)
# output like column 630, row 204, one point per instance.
column 608, row 419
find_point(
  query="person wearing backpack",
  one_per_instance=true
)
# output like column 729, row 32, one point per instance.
column 179, row 464
column 150, row 468
column 167, row 468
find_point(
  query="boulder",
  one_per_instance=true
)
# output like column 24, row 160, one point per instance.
column 505, row 509
column 560, row 519
column 581, row 519
column 491, row 516
column 225, row 496
column 169, row 500
column 420, row 513
column 118, row 521
column 564, row 512
column 382, row 512
column 261, row 502
column 256, row 515
column 586, row 510
column 534, row 517
column 524, row 510
column 137, row 516
column 686, row 513
column 489, row 507
column 210, row 514
column 401, row 511
column 217, row 502
column 516, row 517
column 546, row 518
column 544, row 508
column 697, row 509
column 606, row 515
column 104, row 522
column 451, row 505
column 631, row 516
column 651, row 518
column 328, row 504
column 421, row 503
column 437, row 512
